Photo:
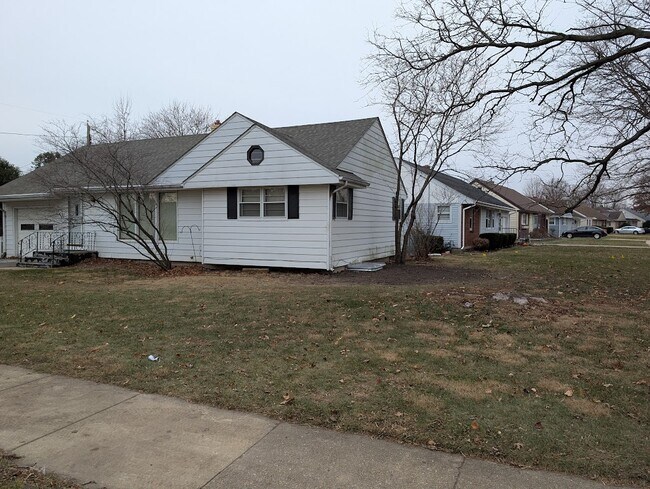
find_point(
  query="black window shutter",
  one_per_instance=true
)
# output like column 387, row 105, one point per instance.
column 232, row 202
column 394, row 209
column 333, row 206
column 293, row 197
column 350, row 203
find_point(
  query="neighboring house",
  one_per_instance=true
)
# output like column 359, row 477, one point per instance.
column 588, row 216
column 529, row 216
column 454, row 209
column 315, row 196
column 583, row 215
column 615, row 218
column 559, row 223
column 634, row 218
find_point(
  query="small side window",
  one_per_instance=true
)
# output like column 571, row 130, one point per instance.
column 342, row 204
column 46, row 227
column 27, row 227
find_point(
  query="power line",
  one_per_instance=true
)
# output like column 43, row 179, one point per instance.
column 21, row 107
column 4, row 133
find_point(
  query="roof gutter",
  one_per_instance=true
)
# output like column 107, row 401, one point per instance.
column 494, row 206
column 25, row 196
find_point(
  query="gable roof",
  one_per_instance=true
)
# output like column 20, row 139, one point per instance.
column 520, row 201
column 612, row 214
column 462, row 187
column 590, row 212
column 327, row 144
column 153, row 157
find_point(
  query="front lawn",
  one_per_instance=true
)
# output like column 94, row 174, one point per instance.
column 552, row 372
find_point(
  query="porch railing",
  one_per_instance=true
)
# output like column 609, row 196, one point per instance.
column 56, row 242
column 508, row 231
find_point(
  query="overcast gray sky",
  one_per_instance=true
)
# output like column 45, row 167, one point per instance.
column 283, row 62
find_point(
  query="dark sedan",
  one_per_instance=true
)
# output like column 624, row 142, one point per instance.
column 585, row 232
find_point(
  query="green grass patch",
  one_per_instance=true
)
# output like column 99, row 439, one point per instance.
column 416, row 362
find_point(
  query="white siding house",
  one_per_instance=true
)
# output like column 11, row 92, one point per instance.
column 317, row 196
column 454, row 209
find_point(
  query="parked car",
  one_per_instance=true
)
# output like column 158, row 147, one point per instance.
column 585, row 232
column 629, row 230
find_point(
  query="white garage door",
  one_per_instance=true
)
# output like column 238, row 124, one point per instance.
column 32, row 220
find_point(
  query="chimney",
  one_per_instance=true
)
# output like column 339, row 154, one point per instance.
column 215, row 125
column 88, row 138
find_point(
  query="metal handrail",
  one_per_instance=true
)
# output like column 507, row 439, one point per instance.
column 28, row 244
column 56, row 241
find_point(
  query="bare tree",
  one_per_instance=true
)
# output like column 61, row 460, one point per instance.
column 176, row 119
column 111, row 182
column 433, row 125
column 586, row 87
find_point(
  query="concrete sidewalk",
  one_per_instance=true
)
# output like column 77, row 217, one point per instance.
column 107, row 436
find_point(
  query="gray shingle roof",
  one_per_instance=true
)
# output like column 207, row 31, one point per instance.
column 515, row 198
column 153, row 156
column 328, row 144
column 462, row 187
column 467, row 189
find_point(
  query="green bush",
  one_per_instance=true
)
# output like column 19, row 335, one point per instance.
column 481, row 244
column 424, row 244
column 498, row 240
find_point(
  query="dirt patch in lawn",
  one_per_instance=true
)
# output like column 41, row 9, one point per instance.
column 414, row 273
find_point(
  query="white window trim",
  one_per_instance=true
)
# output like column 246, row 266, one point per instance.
column 346, row 203
column 261, row 203
column 489, row 219
column 438, row 214
column 156, row 219
column 158, row 215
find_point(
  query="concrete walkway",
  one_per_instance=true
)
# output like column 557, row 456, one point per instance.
column 8, row 264
column 107, row 436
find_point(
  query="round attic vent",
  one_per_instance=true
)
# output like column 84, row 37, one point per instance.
column 255, row 155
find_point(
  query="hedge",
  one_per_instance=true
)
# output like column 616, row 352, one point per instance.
column 498, row 240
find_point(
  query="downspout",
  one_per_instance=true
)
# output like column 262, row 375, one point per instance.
column 4, row 230
column 329, row 229
column 463, row 224
column 330, row 210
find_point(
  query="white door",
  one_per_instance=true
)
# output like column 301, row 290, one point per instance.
column 28, row 221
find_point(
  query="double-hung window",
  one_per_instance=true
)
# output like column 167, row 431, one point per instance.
column 262, row 202
column 444, row 213
column 342, row 202
column 489, row 218
column 524, row 219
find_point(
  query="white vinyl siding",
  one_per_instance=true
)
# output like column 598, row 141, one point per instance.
column 203, row 152
column 371, row 232
column 186, row 247
column 437, row 194
column 282, row 166
column 54, row 212
column 449, row 229
column 264, row 242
